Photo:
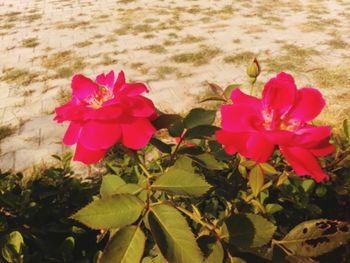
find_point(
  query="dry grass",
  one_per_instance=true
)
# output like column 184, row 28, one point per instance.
column 243, row 57
column 18, row 76
column 64, row 63
column 164, row 71
column 6, row 131
column 30, row 42
column 332, row 77
column 191, row 39
column 156, row 49
column 83, row 44
column 72, row 24
column 200, row 57
column 337, row 43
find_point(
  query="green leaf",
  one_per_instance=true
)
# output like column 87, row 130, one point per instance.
column 249, row 230
column 181, row 182
column 193, row 150
column 172, row 235
column 268, row 169
column 200, row 131
column 308, row 185
column 250, row 164
column 217, row 254
column 315, row 237
column 111, row 212
column 256, row 180
column 207, row 160
column 215, row 88
column 126, row 246
column 67, row 249
column 228, row 90
column 199, row 116
column 273, row 208
column 212, row 99
column 237, row 260
column 161, row 146
column 165, row 121
column 133, row 189
column 176, row 129
column 184, row 163
column 12, row 250
column 110, row 183
column 346, row 127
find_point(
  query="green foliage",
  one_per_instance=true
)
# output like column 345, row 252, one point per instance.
column 110, row 212
column 180, row 180
column 34, row 224
column 126, row 245
column 180, row 199
column 110, row 184
column 172, row 235
column 199, row 116
column 249, row 230
column 12, row 251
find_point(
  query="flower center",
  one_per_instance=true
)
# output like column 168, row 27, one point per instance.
column 96, row 100
column 274, row 122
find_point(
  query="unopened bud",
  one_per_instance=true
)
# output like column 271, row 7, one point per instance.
column 253, row 70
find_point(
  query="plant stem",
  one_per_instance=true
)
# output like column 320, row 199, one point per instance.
column 198, row 220
column 176, row 149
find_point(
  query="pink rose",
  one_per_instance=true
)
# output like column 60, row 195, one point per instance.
column 254, row 127
column 104, row 112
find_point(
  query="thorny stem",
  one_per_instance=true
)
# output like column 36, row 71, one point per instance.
column 198, row 220
column 176, row 149
column 340, row 158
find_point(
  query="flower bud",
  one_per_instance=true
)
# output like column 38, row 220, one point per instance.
column 254, row 69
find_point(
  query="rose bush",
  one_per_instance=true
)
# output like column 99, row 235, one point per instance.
column 105, row 112
column 196, row 192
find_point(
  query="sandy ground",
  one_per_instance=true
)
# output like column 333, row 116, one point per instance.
column 173, row 46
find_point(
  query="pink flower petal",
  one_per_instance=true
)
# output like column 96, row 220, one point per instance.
column 133, row 89
column 279, row 93
column 137, row 133
column 106, row 80
column 323, row 149
column 258, row 148
column 111, row 112
column 279, row 137
column 311, row 136
column 69, row 112
column 308, row 105
column 139, row 106
column 72, row 134
column 240, row 117
column 96, row 135
column 83, row 87
column 87, row 156
column 238, row 97
column 304, row 163
column 233, row 141
column 120, row 81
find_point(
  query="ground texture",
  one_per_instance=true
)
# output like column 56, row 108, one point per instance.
column 173, row 46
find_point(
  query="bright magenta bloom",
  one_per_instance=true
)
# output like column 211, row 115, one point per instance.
column 254, row 127
column 104, row 112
